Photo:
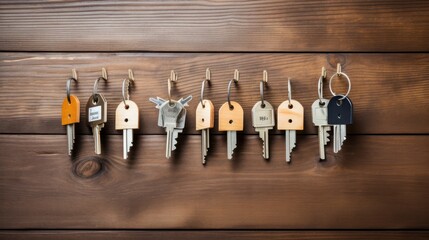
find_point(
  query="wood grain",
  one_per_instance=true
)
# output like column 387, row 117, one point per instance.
column 274, row 25
column 375, row 182
column 390, row 92
column 214, row 235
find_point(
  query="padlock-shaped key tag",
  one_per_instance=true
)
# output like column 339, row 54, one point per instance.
column 231, row 119
column 290, row 116
column 70, row 111
column 205, row 115
column 340, row 110
column 127, row 115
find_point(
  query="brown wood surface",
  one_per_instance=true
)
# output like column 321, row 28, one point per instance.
column 214, row 235
column 390, row 92
column 322, row 26
column 375, row 182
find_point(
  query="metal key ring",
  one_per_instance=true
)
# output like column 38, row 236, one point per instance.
column 320, row 86
column 208, row 75
column 262, row 83
column 128, row 80
column 235, row 80
column 173, row 78
column 289, row 92
column 339, row 74
column 103, row 77
column 73, row 78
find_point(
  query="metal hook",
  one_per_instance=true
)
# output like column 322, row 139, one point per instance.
column 338, row 69
column 289, row 92
column 73, row 78
column 235, row 80
column 208, row 75
column 173, row 78
column 103, row 77
column 126, row 85
column 262, row 83
column 320, row 85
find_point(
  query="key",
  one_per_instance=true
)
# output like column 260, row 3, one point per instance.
column 70, row 115
column 263, row 121
column 96, row 107
column 340, row 114
column 290, row 117
column 205, row 121
column 231, row 120
column 172, row 117
column 127, row 119
column 319, row 111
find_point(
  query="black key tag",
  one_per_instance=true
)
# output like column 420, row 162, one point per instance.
column 340, row 110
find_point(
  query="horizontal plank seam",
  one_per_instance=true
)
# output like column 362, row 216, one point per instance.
column 214, row 230
column 224, row 52
column 220, row 134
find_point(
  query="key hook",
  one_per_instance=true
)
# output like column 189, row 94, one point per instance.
column 126, row 86
column 320, row 86
column 262, row 83
column 339, row 74
column 73, row 78
column 235, row 80
column 289, row 93
column 103, row 77
column 208, row 75
column 173, row 78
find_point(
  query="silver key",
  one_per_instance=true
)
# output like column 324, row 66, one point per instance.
column 97, row 116
column 320, row 119
column 127, row 119
column 172, row 117
column 340, row 113
column 263, row 121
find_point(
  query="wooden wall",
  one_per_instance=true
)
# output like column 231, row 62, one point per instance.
column 376, row 187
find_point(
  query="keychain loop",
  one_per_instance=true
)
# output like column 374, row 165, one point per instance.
column 208, row 75
column 289, row 92
column 173, row 78
column 262, row 83
column 73, row 78
column 126, row 85
column 235, row 80
column 339, row 74
column 320, row 86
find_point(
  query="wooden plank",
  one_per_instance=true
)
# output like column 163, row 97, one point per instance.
column 232, row 235
column 389, row 92
column 375, row 182
column 274, row 25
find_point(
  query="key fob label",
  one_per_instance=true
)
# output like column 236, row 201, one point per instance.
column 94, row 114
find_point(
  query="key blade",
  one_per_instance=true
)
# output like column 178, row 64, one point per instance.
column 287, row 139
column 203, row 146
column 125, row 143
column 185, row 101
column 158, row 101
column 322, row 138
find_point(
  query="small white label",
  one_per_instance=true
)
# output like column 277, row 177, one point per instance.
column 94, row 114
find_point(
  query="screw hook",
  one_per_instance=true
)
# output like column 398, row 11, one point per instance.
column 208, row 75
column 235, row 80
column 262, row 83
column 73, row 78
column 173, row 78
column 320, row 85
column 126, row 85
column 289, row 92
column 103, row 77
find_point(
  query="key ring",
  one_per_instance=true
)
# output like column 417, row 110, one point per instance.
column 208, row 75
column 320, row 86
column 339, row 73
column 128, row 80
column 235, row 80
column 95, row 89
column 173, row 78
column 289, row 93
column 262, row 83
column 73, row 78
